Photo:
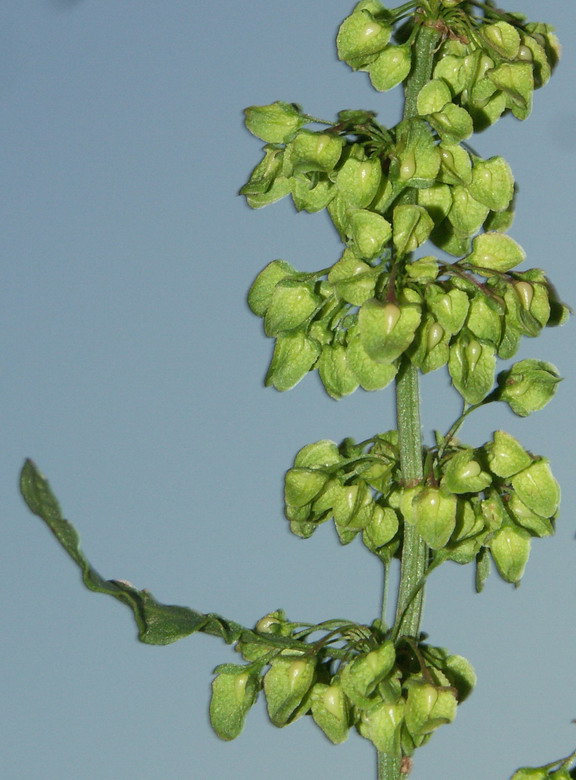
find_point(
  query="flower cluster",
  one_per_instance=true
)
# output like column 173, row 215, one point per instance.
column 394, row 694
column 388, row 191
column 490, row 64
column 472, row 502
column 439, row 314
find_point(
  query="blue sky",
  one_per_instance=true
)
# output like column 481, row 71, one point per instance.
column 133, row 377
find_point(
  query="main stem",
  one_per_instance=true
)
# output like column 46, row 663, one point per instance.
column 414, row 550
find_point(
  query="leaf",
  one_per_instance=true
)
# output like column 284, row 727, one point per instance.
column 158, row 624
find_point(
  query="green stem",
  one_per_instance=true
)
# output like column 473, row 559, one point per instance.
column 389, row 766
column 414, row 551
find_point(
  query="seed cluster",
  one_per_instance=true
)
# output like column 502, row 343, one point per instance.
column 388, row 191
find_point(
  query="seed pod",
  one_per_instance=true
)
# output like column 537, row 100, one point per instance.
column 525, row 293
column 483, row 320
column 434, row 337
column 291, row 304
column 265, row 176
column 452, row 69
column 301, row 486
column 492, row 183
column 530, row 774
column 390, row 67
column 337, row 376
column 506, row 456
column 528, row 386
column 233, row 693
column 469, row 523
column 262, row 289
column 435, row 516
column 358, row 181
column 495, row 252
column 522, row 515
column 455, row 165
column 425, row 269
column 361, row 36
column 453, row 123
column 510, row 548
column 429, row 350
column 517, row 317
column 350, row 502
column 274, row 623
column 458, row 671
column 331, row 711
column 428, row 707
column 370, row 233
column 433, row 97
column 353, row 279
column 467, row 214
column 503, row 38
column 464, row 474
column 412, row 227
column 310, row 197
column 286, row 685
column 294, row 355
column 360, row 677
column 320, row 453
column 516, row 81
column 471, row 366
column 537, row 488
column 531, row 51
column 276, row 123
column 382, row 726
column 311, row 151
column 437, row 200
column 417, row 157
column 387, row 330
column 406, row 503
column 370, row 374
column 493, row 511
column 381, row 529
column 449, row 309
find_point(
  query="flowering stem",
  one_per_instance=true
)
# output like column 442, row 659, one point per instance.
column 414, row 551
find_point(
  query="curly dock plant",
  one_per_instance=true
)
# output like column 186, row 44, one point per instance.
column 384, row 312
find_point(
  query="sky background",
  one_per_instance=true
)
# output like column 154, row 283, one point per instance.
column 133, row 377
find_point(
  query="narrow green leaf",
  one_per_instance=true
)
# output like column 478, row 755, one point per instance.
column 158, row 624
